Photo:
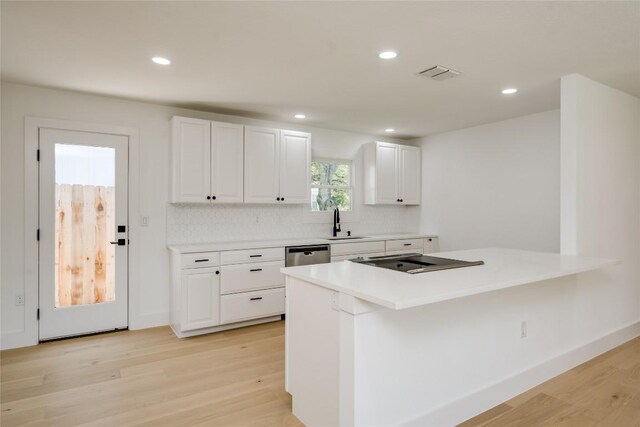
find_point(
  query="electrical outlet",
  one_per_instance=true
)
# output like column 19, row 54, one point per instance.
column 144, row 221
column 20, row 299
column 523, row 329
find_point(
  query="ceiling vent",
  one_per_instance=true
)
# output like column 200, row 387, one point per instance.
column 439, row 72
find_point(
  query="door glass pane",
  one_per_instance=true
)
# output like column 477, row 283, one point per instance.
column 85, row 225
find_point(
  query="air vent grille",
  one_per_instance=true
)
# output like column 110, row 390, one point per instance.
column 439, row 72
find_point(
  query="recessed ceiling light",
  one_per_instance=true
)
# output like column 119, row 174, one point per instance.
column 299, row 116
column 509, row 91
column 160, row 60
column 389, row 130
column 387, row 54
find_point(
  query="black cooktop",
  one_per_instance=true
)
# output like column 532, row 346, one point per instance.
column 415, row 263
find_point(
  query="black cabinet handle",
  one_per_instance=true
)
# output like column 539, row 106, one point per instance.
column 278, row 198
column 202, row 260
column 430, row 240
column 208, row 197
column 256, row 269
column 407, row 244
column 217, row 272
column 214, row 197
column 255, row 298
column 282, row 199
column 255, row 256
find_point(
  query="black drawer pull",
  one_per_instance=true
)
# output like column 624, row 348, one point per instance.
column 256, row 269
column 255, row 256
column 202, row 260
column 408, row 244
column 255, row 298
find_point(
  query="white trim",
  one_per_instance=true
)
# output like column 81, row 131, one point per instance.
column 313, row 217
column 31, row 125
column 479, row 401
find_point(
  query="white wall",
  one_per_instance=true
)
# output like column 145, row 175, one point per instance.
column 494, row 185
column 152, row 121
column 600, row 209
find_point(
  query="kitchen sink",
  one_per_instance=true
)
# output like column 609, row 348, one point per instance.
column 346, row 238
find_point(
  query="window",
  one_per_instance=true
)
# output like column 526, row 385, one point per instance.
column 331, row 185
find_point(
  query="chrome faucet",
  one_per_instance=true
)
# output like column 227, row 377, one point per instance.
column 336, row 222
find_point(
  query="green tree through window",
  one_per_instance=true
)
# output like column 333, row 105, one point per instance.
column 331, row 185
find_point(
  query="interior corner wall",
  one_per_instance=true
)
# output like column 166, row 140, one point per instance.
column 494, row 185
column 600, row 208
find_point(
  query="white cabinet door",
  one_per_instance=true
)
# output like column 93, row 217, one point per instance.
column 386, row 173
column 227, row 162
column 200, row 298
column 409, row 175
column 261, row 165
column 191, row 154
column 295, row 163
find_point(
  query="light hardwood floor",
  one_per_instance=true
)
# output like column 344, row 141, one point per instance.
column 236, row 378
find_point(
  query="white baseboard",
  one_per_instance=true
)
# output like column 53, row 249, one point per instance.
column 17, row 339
column 482, row 400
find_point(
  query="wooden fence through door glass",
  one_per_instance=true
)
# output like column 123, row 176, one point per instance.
column 84, row 257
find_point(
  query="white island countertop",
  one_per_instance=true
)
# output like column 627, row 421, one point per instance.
column 504, row 268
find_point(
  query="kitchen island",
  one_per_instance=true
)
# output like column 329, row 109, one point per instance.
column 372, row 346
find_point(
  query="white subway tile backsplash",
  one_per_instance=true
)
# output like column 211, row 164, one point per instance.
column 190, row 223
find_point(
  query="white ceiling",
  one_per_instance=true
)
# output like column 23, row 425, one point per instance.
column 273, row 59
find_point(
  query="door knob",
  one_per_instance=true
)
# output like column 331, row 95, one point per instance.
column 119, row 242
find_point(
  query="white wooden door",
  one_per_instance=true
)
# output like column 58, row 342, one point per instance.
column 386, row 173
column 261, row 165
column 295, row 164
column 227, row 162
column 200, row 298
column 191, row 157
column 83, row 248
column 409, row 175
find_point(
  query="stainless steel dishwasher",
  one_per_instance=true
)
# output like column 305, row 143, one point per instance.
column 306, row 255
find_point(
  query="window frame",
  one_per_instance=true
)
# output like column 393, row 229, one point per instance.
column 326, row 217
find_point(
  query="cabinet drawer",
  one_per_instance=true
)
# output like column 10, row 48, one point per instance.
column 338, row 249
column 252, row 255
column 352, row 256
column 405, row 244
column 251, row 305
column 200, row 259
column 248, row 277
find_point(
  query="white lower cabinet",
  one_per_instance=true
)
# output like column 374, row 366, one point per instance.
column 200, row 298
column 214, row 291
column 251, row 305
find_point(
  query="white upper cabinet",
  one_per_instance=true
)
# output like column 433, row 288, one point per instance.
column 392, row 174
column 261, row 161
column 410, row 176
column 277, row 166
column 191, row 169
column 207, row 161
column 295, row 163
column 227, row 162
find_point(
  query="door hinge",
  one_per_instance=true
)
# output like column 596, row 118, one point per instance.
column 38, row 235
column 38, row 155
column 38, row 314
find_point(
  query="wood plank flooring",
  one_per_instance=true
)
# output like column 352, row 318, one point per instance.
column 149, row 377
column 603, row 392
column 236, row 378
